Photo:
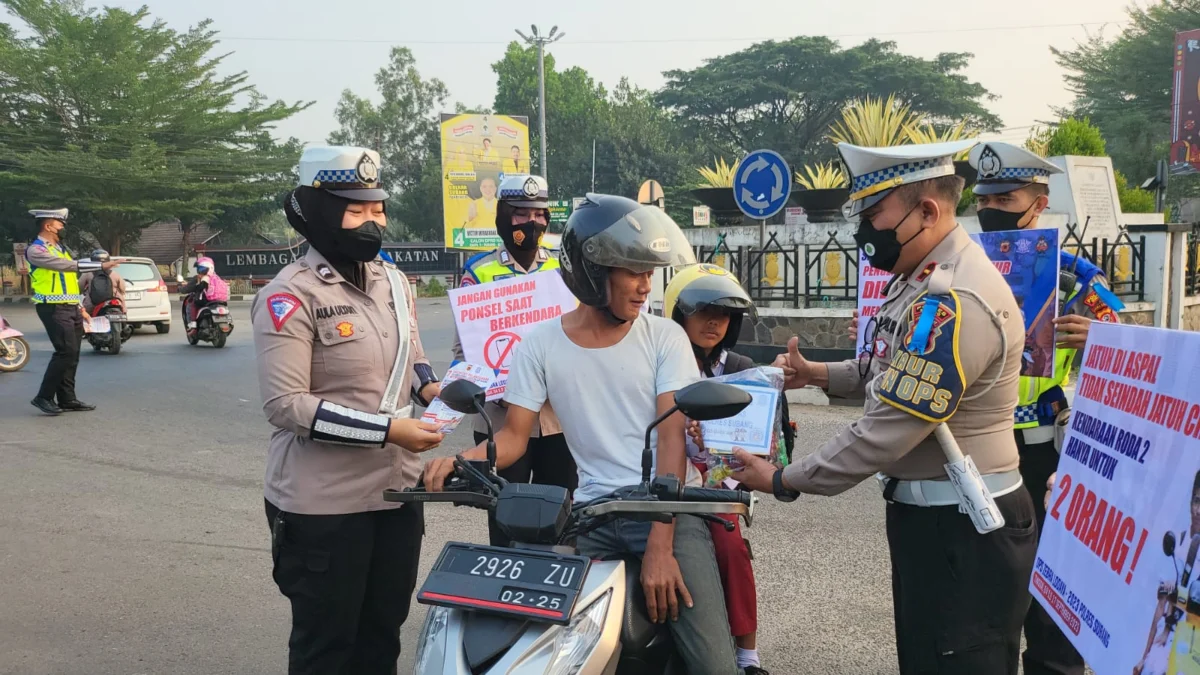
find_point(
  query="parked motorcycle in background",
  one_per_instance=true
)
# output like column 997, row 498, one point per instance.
column 214, row 323
column 14, row 348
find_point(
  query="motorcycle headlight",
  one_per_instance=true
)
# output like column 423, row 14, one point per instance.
column 430, row 658
column 575, row 642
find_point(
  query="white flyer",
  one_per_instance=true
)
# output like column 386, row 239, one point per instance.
column 443, row 416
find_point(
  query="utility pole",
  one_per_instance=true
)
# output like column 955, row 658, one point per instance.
column 541, row 41
column 593, row 165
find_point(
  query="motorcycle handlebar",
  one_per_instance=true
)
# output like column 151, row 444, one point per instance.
column 709, row 495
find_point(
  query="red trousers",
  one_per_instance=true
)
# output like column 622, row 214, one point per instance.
column 737, row 576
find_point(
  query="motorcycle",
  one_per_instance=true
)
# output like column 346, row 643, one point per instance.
column 538, row 606
column 14, row 348
column 111, row 314
column 214, row 323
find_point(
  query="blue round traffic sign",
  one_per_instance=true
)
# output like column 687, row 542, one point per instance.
column 762, row 184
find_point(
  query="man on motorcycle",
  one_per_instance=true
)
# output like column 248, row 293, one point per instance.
column 609, row 370
column 117, row 282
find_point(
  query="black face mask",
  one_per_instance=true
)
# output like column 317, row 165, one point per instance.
column 362, row 243
column 995, row 220
column 882, row 246
column 530, row 235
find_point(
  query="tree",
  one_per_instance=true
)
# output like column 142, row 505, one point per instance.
column 403, row 128
column 1124, row 84
column 127, row 121
column 784, row 95
column 1075, row 137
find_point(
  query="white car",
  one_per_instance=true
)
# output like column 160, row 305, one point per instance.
column 146, row 297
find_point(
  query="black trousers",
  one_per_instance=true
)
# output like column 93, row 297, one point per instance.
column 960, row 596
column 64, row 326
column 1047, row 650
column 350, row 579
column 547, row 461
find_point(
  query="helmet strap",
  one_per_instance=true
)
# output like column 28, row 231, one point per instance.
column 707, row 359
column 612, row 318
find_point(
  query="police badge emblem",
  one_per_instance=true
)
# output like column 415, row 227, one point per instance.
column 368, row 172
column 530, row 188
column 990, row 165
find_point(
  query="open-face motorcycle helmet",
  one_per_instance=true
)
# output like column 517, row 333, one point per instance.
column 704, row 286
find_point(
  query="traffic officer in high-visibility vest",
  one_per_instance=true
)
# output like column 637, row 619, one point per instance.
column 54, row 276
column 941, row 380
column 522, row 217
column 1012, row 192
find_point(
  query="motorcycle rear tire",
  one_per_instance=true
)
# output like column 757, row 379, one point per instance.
column 22, row 358
column 219, row 341
column 114, row 343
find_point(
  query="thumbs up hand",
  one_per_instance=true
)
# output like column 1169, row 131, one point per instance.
column 797, row 371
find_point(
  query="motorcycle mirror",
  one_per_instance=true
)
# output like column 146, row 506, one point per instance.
column 708, row 400
column 463, row 396
column 1169, row 543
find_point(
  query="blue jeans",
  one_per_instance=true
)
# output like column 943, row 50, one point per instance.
column 701, row 635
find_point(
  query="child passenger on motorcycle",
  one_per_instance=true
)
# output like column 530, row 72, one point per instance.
column 709, row 303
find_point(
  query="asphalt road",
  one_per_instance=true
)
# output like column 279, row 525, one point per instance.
column 133, row 540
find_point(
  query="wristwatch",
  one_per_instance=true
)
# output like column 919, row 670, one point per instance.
column 782, row 493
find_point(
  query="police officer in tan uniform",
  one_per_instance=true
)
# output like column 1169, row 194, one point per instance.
column 340, row 363
column 948, row 345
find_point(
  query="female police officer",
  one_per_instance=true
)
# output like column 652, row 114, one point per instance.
column 339, row 360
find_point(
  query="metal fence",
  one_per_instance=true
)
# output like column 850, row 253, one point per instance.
column 1192, row 274
column 1123, row 260
column 796, row 276
column 826, row 275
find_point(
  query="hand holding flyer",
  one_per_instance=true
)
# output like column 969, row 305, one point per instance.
column 441, row 415
column 752, row 428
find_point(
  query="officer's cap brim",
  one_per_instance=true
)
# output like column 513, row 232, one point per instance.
column 371, row 195
column 856, row 206
column 528, row 204
column 1000, row 187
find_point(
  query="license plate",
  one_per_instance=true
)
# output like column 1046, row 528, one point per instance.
column 133, row 295
column 535, row 585
column 98, row 324
column 220, row 319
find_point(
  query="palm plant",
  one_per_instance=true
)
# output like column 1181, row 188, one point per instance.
column 875, row 122
column 825, row 177
column 719, row 175
column 927, row 133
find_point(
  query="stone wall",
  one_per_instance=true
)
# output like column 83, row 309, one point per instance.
column 823, row 334
column 1191, row 318
column 1138, row 318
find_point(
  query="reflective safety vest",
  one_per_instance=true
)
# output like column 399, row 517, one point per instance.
column 51, row 286
column 498, row 264
column 1041, row 398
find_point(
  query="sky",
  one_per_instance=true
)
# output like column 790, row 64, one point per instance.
column 305, row 50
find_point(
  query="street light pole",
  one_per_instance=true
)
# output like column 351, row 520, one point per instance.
column 541, row 41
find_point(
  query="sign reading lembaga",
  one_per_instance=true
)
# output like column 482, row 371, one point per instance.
column 1117, row 567
column 492, row 318
column 477, row 152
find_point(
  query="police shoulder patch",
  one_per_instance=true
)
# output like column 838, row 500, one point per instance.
column 282, row 306
column 925, row 377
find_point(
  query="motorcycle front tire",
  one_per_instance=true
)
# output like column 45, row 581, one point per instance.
column 14, row 366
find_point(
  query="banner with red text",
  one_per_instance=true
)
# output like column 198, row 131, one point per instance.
column 871, row 282
column 492, row 318
column 1117, row 565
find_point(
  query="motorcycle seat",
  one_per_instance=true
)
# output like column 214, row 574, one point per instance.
column 640, row 638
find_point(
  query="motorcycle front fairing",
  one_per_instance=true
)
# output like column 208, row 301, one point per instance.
column 454, row 641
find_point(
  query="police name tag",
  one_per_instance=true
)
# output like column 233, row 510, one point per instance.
column 925, row 377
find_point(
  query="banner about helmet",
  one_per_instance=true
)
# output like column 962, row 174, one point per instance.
column 871, row 283
column 1118, row 566
column 1029, row 261
column 477, row 152
column 492, row 318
